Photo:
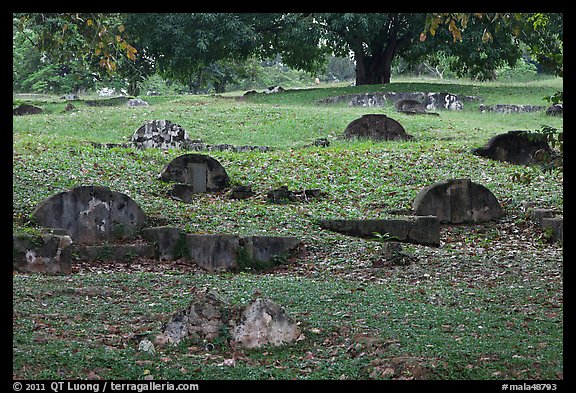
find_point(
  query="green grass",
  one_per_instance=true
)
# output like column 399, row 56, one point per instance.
column 487, row 304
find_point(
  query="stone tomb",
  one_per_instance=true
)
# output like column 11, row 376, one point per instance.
column 194, row 173
column 161, row 134
column 91, row 214
column 457, row 201
column 377, row 127
column 515, row 147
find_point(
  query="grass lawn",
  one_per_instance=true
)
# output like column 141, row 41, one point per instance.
column 485, row 305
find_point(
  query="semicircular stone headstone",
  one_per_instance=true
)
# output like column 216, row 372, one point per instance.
column 203, row 173
column 516, row 147
column 377, row 127
column 91, row 214
column 161, row 134
column 457, row 201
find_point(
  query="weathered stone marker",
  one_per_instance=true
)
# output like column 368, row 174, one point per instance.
column 457, row 201
column 515, row 147
column 199, row 172
column 161, row 134
column 377, row 127
column 91, row 214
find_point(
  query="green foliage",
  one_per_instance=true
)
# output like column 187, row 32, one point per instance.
column 522, row 71
column 474, row 308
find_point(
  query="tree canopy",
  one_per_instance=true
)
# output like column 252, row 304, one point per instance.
column 185, row 46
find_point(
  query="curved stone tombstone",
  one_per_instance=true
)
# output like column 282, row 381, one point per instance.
column 161, row 134
column 457, row 201
column 199, row 172
column 515, row 147
column 91, row 214
column 377, row 127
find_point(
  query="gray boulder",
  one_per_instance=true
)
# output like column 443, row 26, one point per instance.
column 210, row 317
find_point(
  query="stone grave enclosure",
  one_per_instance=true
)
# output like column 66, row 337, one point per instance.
column 516, row 147
column 377, row 127
column 429, row 100
column 194, row 173
column 95, row 223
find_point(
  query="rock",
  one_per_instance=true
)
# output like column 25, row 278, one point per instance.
column 280, row 195
column 70, row 97
column 555, row 110
column 214, row 252
column 202, row 320
column 457, row 201
column 274, row 89
column 91, row 214
column 377, row 127
column 321, row 142
column 26, row 109
column 377, row 99
column 423, row 230
column 261, row 252
column 241, row 192
column 161, row 134
column 510, row 108
column 444, row 101
column 264, row 322
column 114, row 252
column 409, row 105
column 47, row 253
column 222, row 252
column 199, row 172
column 283, row 195
column 210, row 317
column 109, row 101
column 516, row 147
column 137, row 102
column 555, row 226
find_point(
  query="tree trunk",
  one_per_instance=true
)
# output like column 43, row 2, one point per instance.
column 376, row 68
column 373, row 70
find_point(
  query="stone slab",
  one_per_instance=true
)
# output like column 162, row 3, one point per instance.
column 423, row 230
